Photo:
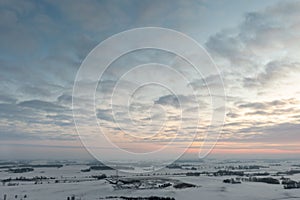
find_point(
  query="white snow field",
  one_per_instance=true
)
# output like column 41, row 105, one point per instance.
column 69, row 180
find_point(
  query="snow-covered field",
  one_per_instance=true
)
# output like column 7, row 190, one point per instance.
column 53, row 183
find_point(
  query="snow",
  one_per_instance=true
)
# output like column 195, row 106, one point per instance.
column 84, row 187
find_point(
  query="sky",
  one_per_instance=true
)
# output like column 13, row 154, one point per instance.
column 254, row 44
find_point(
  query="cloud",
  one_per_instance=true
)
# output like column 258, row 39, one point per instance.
column 232, row 115
column 35, row 119
column 44, row 43
column 279, row 133
column 177, row 101
column 14, row 112
column 105, row 114
column 274, row 71
column 259, row 60
column 62, row 120
column 171, row 100
column 261, row 50
column 256, row 105
column 207, row 83
column 278, row 103
column 42, row 105
column 7, row 99
column 65, row 99
column 15, row 36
